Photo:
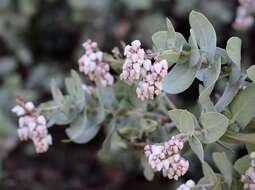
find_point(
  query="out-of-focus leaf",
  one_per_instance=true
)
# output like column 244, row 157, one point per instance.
column 147, row 170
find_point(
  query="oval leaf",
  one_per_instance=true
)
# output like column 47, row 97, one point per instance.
column 179, row 78
column 204, row 32
column 215, row 125
column 183, row 120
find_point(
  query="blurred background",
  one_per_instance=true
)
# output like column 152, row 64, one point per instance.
column 41, row 39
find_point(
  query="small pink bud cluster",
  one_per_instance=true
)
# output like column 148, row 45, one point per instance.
column 131, row 69
column 187, row 186
column 166, row 157
column 32, row 126
column 93, row 65
column 153, row 74
column 249, row 177
column 244, row 18
column 149, row 75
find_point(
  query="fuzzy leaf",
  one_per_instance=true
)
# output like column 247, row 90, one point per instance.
column 85, row 127
column 224, row 165
column 197, row 147
column 215, row 125
column 159, row 39
column 204, row 32
column 195, row 55
column 227, row 97
column 209, row 174
column 179, row 78
column 171, row 33
column 183, row 120
column 210, row 77
column 171, row 56
column 243, row 106
column 251, row 73
column 242, row 164
column 233, row 49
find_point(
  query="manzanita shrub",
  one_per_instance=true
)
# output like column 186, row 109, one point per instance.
column 126, row 96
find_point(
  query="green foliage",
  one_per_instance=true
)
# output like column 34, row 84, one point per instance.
column 242, row 164
column 183, row 120
column 242, row 107
column 251, row 73
column 204, row 32
column 209, row 174
column 197, row 147
column 224, row 165
column 215, row 125
column 179, row 78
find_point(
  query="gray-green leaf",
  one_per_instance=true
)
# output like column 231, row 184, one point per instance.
column 197, row 147
column 209, row 174
column 251, row 73
column 215, row 125
column 242, row 164
column 224, row 165
column 204, row 32
column 183, row 120
column 243, row 106
column 179, row 78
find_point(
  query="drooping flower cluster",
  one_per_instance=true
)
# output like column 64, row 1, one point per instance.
column 93, row 65
column 248, row 179
column 244, row 18
column 148, row 74
column 187, row 186
column 32, row 125
column 152, row 76
column 166, row 158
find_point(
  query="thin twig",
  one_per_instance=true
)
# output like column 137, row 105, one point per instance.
column 169, row 102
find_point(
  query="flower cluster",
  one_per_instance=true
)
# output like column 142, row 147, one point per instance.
column 93, row 65
column 187, row 186
column 150, row 84
column 244, row 18
column 249, row 177
column 149, row 75
column 32, row 125
column 166, row 157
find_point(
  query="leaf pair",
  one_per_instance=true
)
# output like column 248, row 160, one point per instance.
column 214, row 127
